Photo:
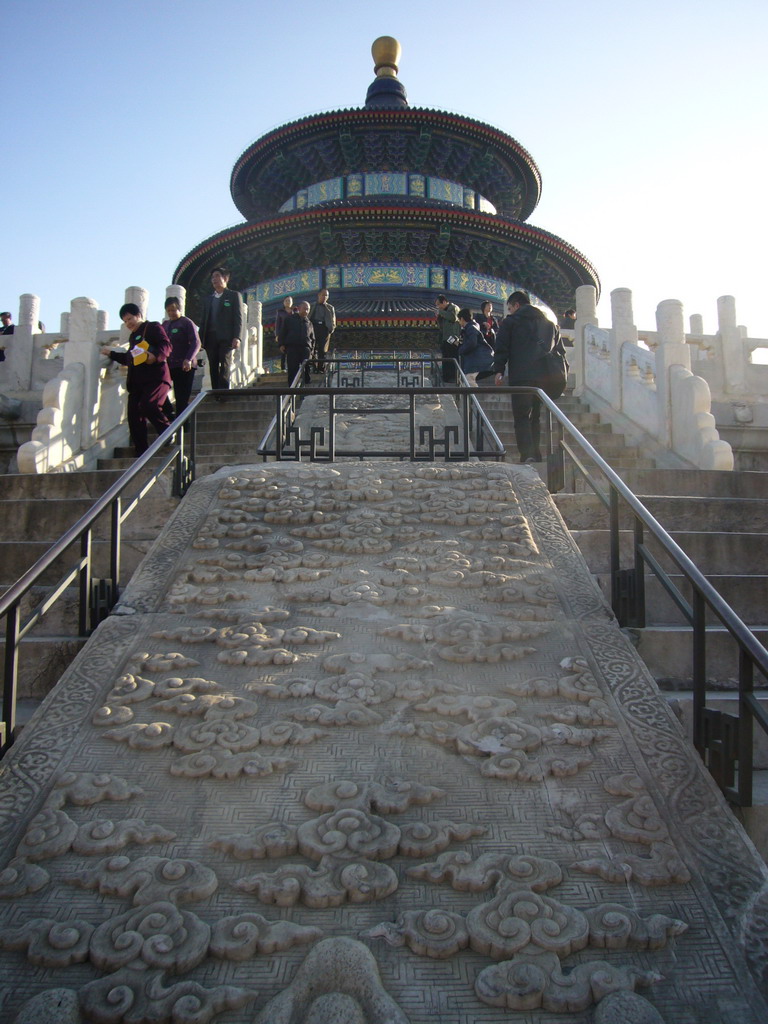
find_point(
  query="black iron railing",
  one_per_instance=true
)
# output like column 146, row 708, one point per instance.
column 725, row 742
column 96, row 595
column 472, row 437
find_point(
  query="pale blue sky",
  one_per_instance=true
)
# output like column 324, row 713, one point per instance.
column 122, row 120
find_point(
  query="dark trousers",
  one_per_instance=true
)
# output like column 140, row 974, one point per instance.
column 294, row 357
column 322, row 344
column 526, row 412
column 182, row 387
column 448, row 352
column 220, row 359
column 146, row 404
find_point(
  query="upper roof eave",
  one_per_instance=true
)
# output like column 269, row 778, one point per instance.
column 263, row 147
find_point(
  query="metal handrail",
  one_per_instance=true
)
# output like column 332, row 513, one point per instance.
column 90, row 610
column 488, row 445
column 752, row 654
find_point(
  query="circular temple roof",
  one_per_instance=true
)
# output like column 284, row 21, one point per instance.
column 429, row 142
column 345, row 232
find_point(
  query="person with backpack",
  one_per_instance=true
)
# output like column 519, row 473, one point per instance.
column 528, row 345
column 475, row 354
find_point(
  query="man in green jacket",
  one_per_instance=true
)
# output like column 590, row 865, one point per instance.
column 448, row 325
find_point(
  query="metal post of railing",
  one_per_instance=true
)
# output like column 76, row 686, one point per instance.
column 746, row 728
column 85, row 582
column 638, row 590
column 11, row 659
column 115, row 532
column 615, row 553
column 699, row 674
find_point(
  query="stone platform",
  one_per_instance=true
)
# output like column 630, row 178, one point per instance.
column 363, row 743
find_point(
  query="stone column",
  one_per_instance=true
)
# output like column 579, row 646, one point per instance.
column 731, row 346
column 623, row 331
column 83, row 348
column 102, row 320
column 19, row 346
column 586, row 313
column 697, row 323
column 672, row 350
column 177, row 291
column 253, row 320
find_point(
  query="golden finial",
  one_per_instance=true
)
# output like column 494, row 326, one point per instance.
column 386, row 54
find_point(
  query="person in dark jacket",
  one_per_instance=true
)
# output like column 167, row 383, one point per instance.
column 475, row 354
column 528, row 345
column 488, row 324
column 297, row 341
column 447, row 314
column 149, row 379
column 280, row 317
column 221, row 326
column 185, row 344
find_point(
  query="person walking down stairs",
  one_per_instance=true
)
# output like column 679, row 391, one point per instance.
column 529, row 346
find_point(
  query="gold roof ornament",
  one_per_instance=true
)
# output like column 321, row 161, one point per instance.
column 386, row 56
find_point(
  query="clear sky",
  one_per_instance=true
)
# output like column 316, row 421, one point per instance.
column 122, row 120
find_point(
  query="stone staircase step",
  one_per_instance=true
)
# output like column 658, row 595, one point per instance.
column 713, row 552
column 674, row 512
column 667, row 651
column 42, row 661
column 705, row 483
column 719, row 700
column 747, row 595
column 47, row 519
column 16, row 557
column 15, row 432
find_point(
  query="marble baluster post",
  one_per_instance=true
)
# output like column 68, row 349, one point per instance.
column 83, row 348
column 623, row 331
column 672, row 350
column 253, row 311
column 586, row 313
column 177, row 291
column 19, row 346
column 731, row 346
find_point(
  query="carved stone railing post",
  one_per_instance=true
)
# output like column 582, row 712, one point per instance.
column 586, row 313
column 83, row 348
column 623, row 330
column 256, row 341
column 672, row 350
column 19, row 347
column 176, row 291
column 731, row 346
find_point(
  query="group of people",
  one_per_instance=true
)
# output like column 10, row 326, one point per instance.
column 527, row 345
column 164, row 356
column 303, row 332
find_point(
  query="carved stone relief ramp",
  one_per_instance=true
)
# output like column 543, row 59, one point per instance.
column 364, row 744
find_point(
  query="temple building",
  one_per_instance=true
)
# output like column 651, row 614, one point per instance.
column 387, row 205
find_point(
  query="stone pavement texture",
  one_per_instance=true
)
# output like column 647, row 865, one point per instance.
column 364, row 744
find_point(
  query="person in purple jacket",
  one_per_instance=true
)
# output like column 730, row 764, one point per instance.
column 185, row 344
column 149, row 379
